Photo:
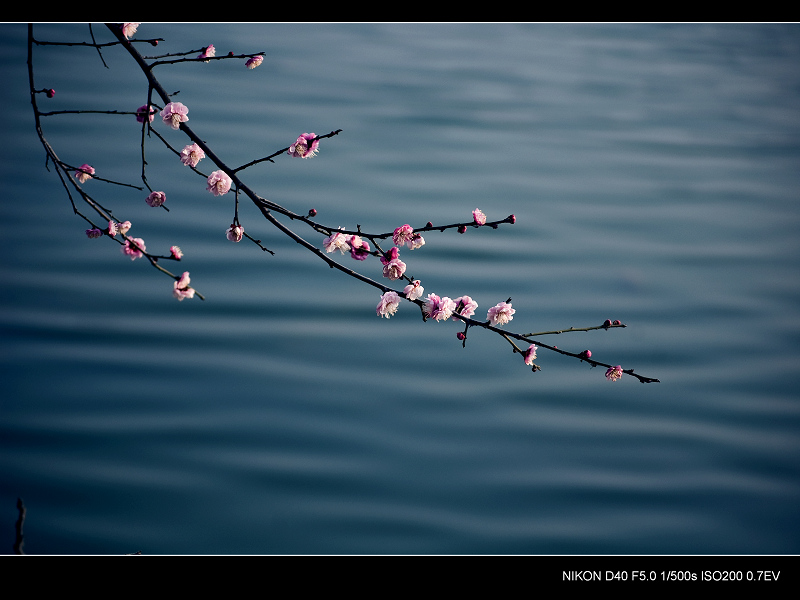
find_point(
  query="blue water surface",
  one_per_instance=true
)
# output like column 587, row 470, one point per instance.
column 654, row 171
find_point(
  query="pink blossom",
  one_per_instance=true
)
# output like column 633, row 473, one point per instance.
column 416, row 241
column 123, row 227
column 394, row 269
column 128, row 29
column 402, row 235
column 181, row 287
column 300, row 147
column 359, row 249
column 156, row 199
column 176, row 252
column 130, row 248
column 614, row 373
column 235, row 233
column 388, row 304
column 478, row 217
column 191, row 155
column 84, row 173
column 145, row 111
column 336, row 241
column 438, row 308
column 390, row 256
column 219, row 183
column 94, row 233
column 112, row 228
column 174, row 114
column 413, row 290
column 209, row 52
column 530, row 354
column 254, row 61
column 468, row 308
column 500, row 314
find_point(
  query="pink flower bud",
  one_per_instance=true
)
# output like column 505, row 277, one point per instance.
column 462, row 229
column 254, row 61
column 478, row 217
column 51, row 92
column 617, row 322
column 586, row 354
column 312, row 212
column 176, row 252
column 460, row 335
column 607, row 323
column 94, row 233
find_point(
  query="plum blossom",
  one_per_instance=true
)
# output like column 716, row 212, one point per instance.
column 402, row 235
column 301, row 149
column 394, row 269
column 614, row 373
column 500, row 314
column 84, row 173
column 468, row 308
column 156, row 199
column 219, row 183
column 416, row 241
column 478, row 217
column 145, row 111
column 94, row 233
column 181, row 287
column 254, row 61
column 176, row 252
column 413, row 290
column 388, row 304
column 174, row 114
column 209, row 52
column 235, row 233
column 438, row 308
column 336, row 241
column 112, row 228
column 128, row 29
column 191, row 155
column 530, row 354
column 123, row 227
column 132, row 250
column 359, row 249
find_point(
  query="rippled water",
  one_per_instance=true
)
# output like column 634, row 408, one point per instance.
column 653, row 170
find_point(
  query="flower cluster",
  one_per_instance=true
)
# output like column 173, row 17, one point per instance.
column 438, row 308
column 181, row 287
column 191, row 155
column 393, row 267
column 405, row 235
column 219, row 183
column 500, row 314
column 174, row 114
column 156, row 199
column 84, row 173
column 301, row 148
column 388, row 304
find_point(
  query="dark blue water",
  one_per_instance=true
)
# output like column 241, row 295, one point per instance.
column 654, row 171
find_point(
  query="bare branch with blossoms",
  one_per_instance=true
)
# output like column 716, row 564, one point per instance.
column 362, row 246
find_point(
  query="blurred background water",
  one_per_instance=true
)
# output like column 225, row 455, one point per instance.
column 653, row 170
